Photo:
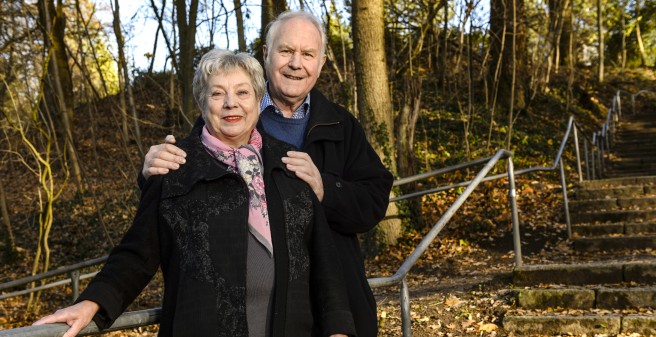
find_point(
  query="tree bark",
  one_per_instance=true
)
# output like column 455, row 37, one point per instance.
column 127, row 87
column 11, row 242
column 641, row 45
column 600, row 35
column 270, row 10
column 187, row 40
column 58, row 91
column 504, row 30
column 240, row 26
column 373, row 99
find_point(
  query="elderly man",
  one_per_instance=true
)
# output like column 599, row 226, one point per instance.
column 335, row 159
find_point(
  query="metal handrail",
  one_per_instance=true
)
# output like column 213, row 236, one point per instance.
column 602, row 140
column 73, row 272
column 401, row 273
column 128, row 320
column 152, row 315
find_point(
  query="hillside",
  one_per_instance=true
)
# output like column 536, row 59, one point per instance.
column 457, row 289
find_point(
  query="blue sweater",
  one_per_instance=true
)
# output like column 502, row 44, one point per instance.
column 288, row 130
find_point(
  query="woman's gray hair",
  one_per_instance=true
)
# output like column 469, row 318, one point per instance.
column 274, row 27
column 218, row 61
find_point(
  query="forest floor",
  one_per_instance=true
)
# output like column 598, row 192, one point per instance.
column 460, row 287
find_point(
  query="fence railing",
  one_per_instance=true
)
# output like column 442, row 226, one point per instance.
column 594, row 166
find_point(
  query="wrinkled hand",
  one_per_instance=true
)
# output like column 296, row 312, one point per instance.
column 301, row 164
column 77, row 316
column 163, row 157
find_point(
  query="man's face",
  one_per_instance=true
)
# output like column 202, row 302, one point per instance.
column 293, row 63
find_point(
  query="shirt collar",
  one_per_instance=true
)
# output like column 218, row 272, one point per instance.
column 299, row 113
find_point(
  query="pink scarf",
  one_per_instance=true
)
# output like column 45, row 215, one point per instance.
column 247, row 162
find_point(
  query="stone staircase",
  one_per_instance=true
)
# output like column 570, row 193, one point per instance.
column 607, row 284
column 633, row 152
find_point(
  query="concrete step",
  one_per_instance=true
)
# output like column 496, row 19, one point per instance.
column 614, row 192
column 628, row 161
column 580, row 206
column 612, row 174
column 614, row 243
column 613, row 216
column 633, row 152
column 587, row 230
column 642, row 272
column 630, row 166
column 616, row 182
column 587, row 297
column 591, row 325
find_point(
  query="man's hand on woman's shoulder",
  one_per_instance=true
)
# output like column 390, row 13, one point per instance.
column 163, row 157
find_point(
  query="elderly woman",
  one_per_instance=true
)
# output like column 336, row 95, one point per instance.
column 243, row 245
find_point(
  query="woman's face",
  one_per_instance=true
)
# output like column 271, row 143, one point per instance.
column 232, row 107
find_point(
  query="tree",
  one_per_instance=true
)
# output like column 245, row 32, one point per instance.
column 11, row 242
column 600, row 44
column 58, row 89
column 508, row 57
column 374, row 103
column 270, row 10
column 186, row 20
column 125, row 83
column 240, row 26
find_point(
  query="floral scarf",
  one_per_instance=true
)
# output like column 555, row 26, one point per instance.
column 247, row 162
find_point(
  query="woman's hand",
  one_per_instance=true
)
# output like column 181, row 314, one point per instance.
column 163, row 157
column 77, row 316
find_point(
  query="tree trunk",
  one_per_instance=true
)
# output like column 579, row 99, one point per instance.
column 565, row 34
column 507, row 24
column 58, row 91
column 600, row 35
column 623, row 35
column 187, row 40
column 11, row 242
column 270, row 10
column 127, row 87
column 641, row 45
column 240, row 25
column 373, row 99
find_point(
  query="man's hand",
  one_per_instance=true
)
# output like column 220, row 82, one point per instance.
column 76, row 316
column 163, row 157
column 301, row 164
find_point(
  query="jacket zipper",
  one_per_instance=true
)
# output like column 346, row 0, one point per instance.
column 320, row 124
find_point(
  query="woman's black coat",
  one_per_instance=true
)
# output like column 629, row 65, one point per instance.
column 193, row 222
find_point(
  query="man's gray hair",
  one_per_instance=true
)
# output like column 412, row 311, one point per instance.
column 218, row 61
column 274, row 27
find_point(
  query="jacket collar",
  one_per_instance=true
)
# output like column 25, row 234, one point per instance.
column 326, row 122
column 201, row 166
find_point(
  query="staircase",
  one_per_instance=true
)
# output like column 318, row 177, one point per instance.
column 634, row 146
column 607, row 286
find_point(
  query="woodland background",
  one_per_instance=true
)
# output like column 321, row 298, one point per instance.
column 434, row 83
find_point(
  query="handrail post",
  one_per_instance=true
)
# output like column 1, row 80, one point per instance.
column 512, row 197
column 600, row 153
column 578, row 153
column 619, row 104
column 75, row 283
column 406, row 322
column 587, row 159
column 563, row 183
